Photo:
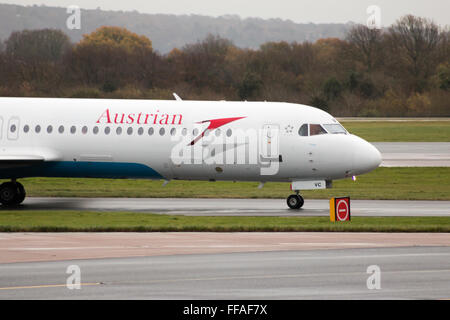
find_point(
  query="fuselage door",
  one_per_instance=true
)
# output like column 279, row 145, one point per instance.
column 13, row 128
column 270, row 142
column 269, row 151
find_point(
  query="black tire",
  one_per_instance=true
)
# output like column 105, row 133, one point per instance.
column 21, row 193
column 295, row 201
column 9, row 193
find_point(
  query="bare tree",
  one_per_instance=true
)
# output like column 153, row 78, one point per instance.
column 417, row 38
column 36, row 54
column 44, row 45
column 204, row 62
column 367, row 42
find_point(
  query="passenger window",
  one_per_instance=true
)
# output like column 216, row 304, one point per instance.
column 140, row 131
column 95, row 130
column 303, row 131
column 26, row 128
column 49, row 129
column 173, row 131
column 316, row 129
column 13, row 128
column 151, row 131
column 130, row 131
column 119, row 131
column 229, row 132
column 84, row 130
column 61, row 129
column 38, row 129
column 107, row 130
column 73, row 129
column 162, row 131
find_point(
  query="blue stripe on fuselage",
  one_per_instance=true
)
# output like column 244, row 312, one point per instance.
column 73, row 169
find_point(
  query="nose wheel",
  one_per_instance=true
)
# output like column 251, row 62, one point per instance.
column 12, row 193
column 295, row 201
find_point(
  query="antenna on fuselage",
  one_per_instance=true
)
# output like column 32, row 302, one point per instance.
column 177, row 97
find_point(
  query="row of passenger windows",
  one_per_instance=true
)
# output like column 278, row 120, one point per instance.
column 304, row 131
column 119, row 130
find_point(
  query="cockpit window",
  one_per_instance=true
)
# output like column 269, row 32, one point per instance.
column 316, row 129
column 335, row 128
column 303, row 131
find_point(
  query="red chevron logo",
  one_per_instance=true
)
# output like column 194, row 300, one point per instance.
column 214, row 124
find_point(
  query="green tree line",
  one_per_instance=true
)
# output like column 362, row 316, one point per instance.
column 403, row 70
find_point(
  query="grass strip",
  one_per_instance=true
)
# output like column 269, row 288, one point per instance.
column 409, row 131
column 85, row 221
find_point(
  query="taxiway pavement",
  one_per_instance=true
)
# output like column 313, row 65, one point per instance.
column 239, row 207
column 405, row 273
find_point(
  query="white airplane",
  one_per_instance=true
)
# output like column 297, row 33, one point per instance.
column 188, row 140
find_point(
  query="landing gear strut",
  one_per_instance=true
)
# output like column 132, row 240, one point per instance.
column 12, row 193
column 295, row 201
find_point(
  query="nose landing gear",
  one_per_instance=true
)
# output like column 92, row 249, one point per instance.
column 12, row 193
column 295, row 201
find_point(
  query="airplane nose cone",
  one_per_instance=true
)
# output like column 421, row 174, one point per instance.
column 365, row 157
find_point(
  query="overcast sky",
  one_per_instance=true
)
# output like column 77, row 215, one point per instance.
column 303, row 11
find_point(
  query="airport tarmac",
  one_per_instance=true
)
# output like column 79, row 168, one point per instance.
column 414, row 154
column 225, row 265
column 240, row 207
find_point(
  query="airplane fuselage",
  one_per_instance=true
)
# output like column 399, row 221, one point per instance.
column 198, row 140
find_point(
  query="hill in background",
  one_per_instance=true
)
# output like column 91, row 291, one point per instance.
column 168, row 31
